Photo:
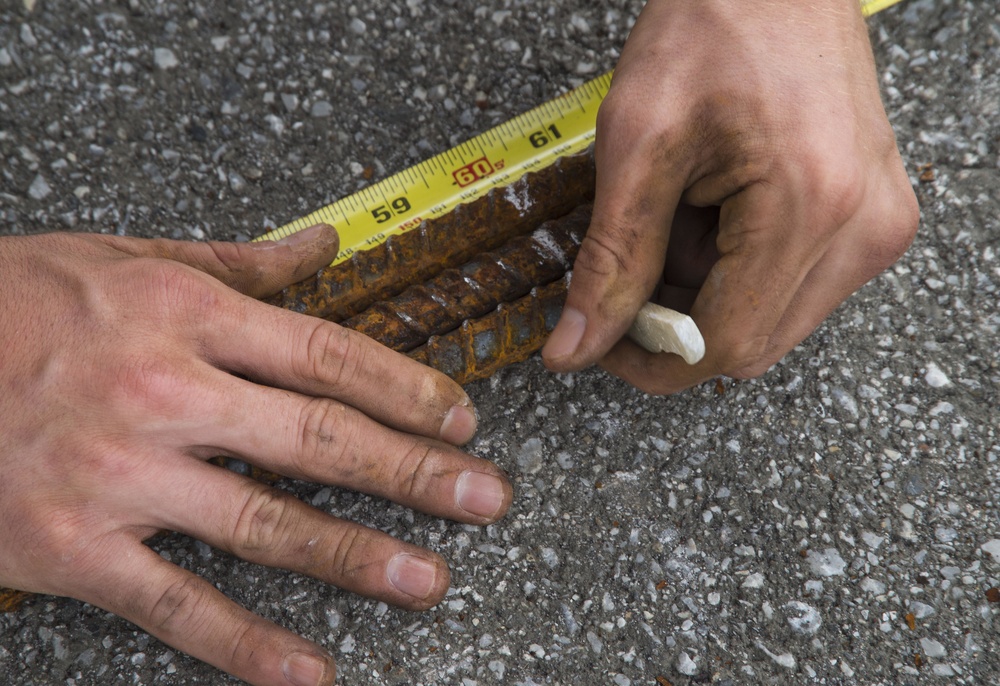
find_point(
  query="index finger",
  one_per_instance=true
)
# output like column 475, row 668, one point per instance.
column 640, row 179
column 321, row 359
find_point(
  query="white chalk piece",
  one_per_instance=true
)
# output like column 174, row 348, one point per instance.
column 662, row 330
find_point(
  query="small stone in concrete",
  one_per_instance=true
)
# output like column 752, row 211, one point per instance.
column 685, row 665
column 873, row 586
column 164, row 58
column 945, row 534
column 804, row 619
column 992, row 548
column 936, row 378
column 932, row 648
column 531, row 458
column 39, row 189
column 321, row 108
column 826, row 563
column 28, row 36
column 786, row 660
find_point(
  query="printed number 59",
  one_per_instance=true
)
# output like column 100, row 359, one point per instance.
column 383, row 213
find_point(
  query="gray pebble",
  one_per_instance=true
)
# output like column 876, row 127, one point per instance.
column 290, row 101
column 932, row 648
column 237, row 183
column 39, row 189
column 28, row 36
column 826, row 563
column 164, row 58
column 685, row 665
column 804, row 619
column 530, row 457
column 321, row 108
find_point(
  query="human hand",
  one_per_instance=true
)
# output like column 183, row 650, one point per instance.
column 127, row 363
column 746, row 172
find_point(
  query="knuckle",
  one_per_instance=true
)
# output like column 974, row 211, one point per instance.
column 155, row 384
column 324, row 435
column 897, row 224
column 239, row 263
column 416, row 470
column 625, row 127
column 172, row 292
column 653, row 386
column 246, row 641
column 623, row 112
column 838, row 189
column 180, row 608
column 55, row 536
column 234, row 257
column 746, row 358
column 177, row 288
column 334, row 355
column 613, row 113
column 603, row 255
column 754, row 370
column 264, row 522
column 352, row 558
column 106, row 464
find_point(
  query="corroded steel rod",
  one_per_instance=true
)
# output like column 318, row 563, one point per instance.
column 343, row 290
column 10, row 600
column 477, row 287
column 509, row 334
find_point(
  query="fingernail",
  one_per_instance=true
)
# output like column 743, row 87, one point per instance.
column 303, row 669
column 479, row 494
column 304, row 236
column 411, row 575
column 459, row 425
column 566, row 336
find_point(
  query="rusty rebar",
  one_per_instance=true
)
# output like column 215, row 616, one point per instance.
column 509, row 334
column 345, row 289
column 10, row 600
column 477, row 287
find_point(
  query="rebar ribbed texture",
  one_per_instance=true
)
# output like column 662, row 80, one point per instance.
column 346, row 289
column 477, row 287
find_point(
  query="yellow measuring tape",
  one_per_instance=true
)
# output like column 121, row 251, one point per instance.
column 497, row 157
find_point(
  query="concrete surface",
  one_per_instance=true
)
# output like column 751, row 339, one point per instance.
column 775, row 531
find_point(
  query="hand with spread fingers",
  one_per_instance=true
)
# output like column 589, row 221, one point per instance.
column 746, row 173
column 127, row 363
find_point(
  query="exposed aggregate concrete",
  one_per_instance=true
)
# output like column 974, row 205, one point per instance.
column 827, row 523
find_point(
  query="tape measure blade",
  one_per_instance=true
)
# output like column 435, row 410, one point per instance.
column 870, row 7
column 498, row 156
column 531, row 140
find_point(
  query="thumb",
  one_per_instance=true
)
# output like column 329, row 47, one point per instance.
column 617, row 269
column 255, row 269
